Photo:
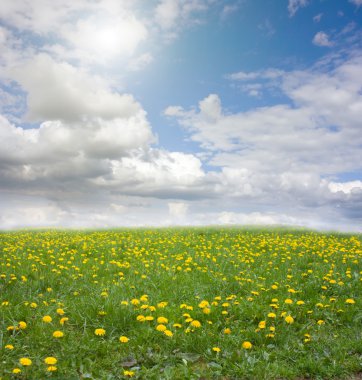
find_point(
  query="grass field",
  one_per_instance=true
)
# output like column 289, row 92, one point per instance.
column 180, row 304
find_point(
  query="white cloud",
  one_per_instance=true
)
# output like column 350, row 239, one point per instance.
column 58, row 90
column 140, row 62
column 173, row 15
column 178, row 209
column 345, row 187
column 322, row 39
column 294, row 5
column 101, row 39
column 167, row 13
column 256, row 218
column 358, row 3
column 323, row 117
column 228, row 10
column 317, row 18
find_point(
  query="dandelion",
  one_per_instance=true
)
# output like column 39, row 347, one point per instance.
column 26, row 362
column 63, row 320
column 58, row 334
column 51, row 360
column 161, row 327
column 216, row 349
column 22, row 325
column 203, row 304
column 288, row 301
column 162, row 320
column 100, row 332
column 320, row 322
column 15, row 371
column 47, row 319
column 52, row 368
column 168, row 333
column 60, row 312
column 9, row 347
column 227, row 331
column 247, row 345
column 262, row 325
column 289, row 319
column 128, row 373
column 272, row 315
column 350, row 301
column 195, row 324
column 123, row 339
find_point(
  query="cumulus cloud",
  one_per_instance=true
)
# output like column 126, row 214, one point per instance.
column 282, row 154
column 346, row 187
column 58, row 90
column 322, row 39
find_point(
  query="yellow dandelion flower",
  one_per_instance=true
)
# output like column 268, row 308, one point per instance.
column 272, row 315
column 162, row 320
column 320, row 322
column 47, row 318
column 51, row 360
column 58, row 334
column 52, row 368
column 289, row 319
column 15, row 371
column 288, row 301
column 216, row 349
column 247, row 345
column 22, row 325
column 195, row 323
column 25, row 362
column 206, row 310
column 203, row 304
column 123, row 339
column 128, row 373
column 63, row 320
column 161, row 327
column 262, row 325
column 9, row 347
column 227, row 331
column 168, row 333
column 100, row 332
column 350, row 301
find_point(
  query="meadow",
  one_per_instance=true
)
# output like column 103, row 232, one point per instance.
column 187, row 303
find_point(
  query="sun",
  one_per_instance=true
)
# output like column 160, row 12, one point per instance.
column 111, row 37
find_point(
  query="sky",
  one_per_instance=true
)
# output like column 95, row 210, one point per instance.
column 181, row 112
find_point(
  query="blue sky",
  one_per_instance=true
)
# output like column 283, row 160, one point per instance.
column 181, row 112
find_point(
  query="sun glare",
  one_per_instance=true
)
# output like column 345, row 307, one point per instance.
column 115, row 37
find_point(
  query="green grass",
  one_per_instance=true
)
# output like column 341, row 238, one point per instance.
column 225, row 278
